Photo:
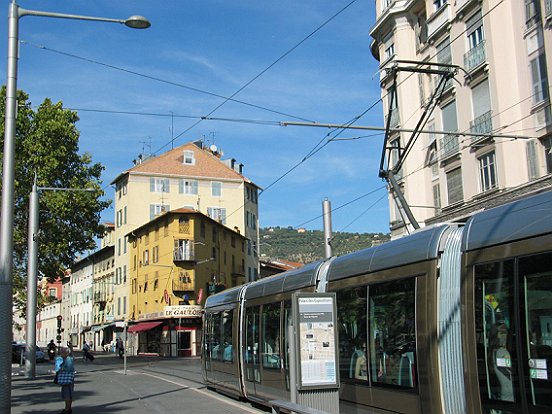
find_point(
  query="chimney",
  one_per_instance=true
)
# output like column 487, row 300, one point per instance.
column 240, row 169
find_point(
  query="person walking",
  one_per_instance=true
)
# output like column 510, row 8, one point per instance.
column 65, row 378
column 120, row 347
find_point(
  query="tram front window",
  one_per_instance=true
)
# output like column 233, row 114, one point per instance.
column 514, row 333
column 537, row 289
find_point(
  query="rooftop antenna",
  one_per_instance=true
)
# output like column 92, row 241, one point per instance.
column 172, row 130
column 145, row 144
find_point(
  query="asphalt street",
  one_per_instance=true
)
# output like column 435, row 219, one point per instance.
column 151, row 385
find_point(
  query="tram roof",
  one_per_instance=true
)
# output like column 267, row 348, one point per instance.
column 284, row 282
column 517, row 220
column 419, row 246
column 226, row 296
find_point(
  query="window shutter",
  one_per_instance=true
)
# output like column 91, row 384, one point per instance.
column 194, row 187
column 152, row 211
column 532, row 160
column 181, row 186
column 481, row 99
column 166, row 185
column 450, row 122
column 152, row 185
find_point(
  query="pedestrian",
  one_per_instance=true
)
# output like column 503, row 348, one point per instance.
column 86, row 352
column 65, row 377
column 51, row 350
column 120, row 347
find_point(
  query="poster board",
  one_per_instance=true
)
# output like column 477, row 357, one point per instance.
column 316, row 340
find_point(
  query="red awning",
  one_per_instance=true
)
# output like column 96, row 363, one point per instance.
column 143, row 326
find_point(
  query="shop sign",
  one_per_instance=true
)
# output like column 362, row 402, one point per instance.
column 183, row 311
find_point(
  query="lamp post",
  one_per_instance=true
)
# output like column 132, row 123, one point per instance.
column 32, row 270
column 6, row 221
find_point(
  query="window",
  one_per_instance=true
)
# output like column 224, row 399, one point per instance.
column 125, row 243
column 420, row 30
column 145, row 257
column 216, row 188
column 449, row 143
column 155, row 253
column 189, row 158
column 184, row 225
column 188, row 186
column 125, row 215
column 454, row 186
column 481, row 101
column 437, row 197
column 474, row 30
column 539, row 78
column 532, row 12
column 548, row 153
column 159, row 185
column 118, row 247
column 437, row 4
column 388, row 47
column 52, row 292
column 532, row 162
column 124, row 274
column 392, row 333
column 352, row 309
column 216, row 213
column 270, row 344
column 252, row 363
column 443, row 52
column 487, row 171
column 157, row 209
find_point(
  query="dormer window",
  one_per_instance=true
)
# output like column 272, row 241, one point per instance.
column 189, row 158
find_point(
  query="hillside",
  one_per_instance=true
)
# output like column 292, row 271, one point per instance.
column 307, row 246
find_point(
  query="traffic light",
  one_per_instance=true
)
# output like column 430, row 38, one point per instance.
column 59, row 329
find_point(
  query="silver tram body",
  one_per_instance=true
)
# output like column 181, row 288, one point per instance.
column 451, row 319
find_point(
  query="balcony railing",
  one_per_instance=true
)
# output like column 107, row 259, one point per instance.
column 548, row 8
column 475, row 56
column 449, row 146
column 483, row 124
column 183, row 285
column 184, row 253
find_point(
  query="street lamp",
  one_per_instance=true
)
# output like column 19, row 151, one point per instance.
column 32, row 259
column 6, row 220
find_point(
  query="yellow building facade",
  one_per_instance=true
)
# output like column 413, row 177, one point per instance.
column 176, row 261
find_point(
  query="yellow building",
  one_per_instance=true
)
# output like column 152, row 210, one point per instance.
column 177, row 259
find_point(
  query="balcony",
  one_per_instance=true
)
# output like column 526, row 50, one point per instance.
column 483, row 124
column 439, row 20
column 548, row 9
column 475, row 56
column 184, row 282
column 449, row 146
column 184, row 253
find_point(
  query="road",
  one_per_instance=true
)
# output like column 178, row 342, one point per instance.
column 151, row 385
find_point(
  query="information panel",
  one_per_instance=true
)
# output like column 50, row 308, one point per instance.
column 316, row 340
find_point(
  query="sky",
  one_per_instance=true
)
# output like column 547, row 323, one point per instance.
column 144, row 91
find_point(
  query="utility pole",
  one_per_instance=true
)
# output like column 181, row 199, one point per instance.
column 327, row 213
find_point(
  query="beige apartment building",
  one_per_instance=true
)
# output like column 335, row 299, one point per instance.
column 190, row 176
column 488, row 138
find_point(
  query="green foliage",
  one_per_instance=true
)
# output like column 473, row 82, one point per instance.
column 47, row 145
column 305, row 247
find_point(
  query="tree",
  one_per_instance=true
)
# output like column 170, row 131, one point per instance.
column 47, row 146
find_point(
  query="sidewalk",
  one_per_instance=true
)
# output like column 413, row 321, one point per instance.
column 152, row 385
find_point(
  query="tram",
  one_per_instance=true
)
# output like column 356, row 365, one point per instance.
column 454, row 318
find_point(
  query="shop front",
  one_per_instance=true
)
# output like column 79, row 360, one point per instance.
column 175, row 332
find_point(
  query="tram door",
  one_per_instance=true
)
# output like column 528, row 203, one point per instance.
column 514, row 334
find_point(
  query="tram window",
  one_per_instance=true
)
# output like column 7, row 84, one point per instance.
column 226, row 339
column 536, row 274
column 351, row 311
column 252, row 369
column 495, row 330
column 392, row 333
column 208, row 339
column 285, row 344
column 270, row 353
column 216, row 349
